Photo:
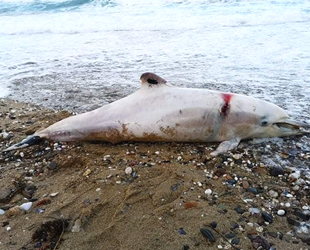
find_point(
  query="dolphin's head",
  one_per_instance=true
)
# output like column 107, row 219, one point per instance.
column 273, row 121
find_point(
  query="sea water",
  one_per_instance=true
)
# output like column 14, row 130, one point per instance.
column 81, row 54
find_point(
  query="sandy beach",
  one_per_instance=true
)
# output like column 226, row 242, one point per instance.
column 149, row 195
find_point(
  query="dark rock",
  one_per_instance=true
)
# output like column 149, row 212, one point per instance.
column 230, row 235
column 276, row 171
column 213, row 224
column 231, row 181
column 185, row 247
column 252, row 190
column 52, row 166
column 182, row 231
column 5, row 223
column 239, row 210
column 301, row 215
column 235, row 241
column 280, row 235
column 207, row 234
column 234, row 225
column 260, row 243
column 29, row 191
column 38, row 245
column 267, row 217
column 175, row 187
column 292, row 221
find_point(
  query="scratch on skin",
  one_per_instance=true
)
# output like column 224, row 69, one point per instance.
column 225, row 108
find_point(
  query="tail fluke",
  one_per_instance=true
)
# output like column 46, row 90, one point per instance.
column 30, row 140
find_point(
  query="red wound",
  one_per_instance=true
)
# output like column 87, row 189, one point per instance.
column 226, row 106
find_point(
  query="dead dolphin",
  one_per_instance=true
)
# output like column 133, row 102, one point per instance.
column 160, row 112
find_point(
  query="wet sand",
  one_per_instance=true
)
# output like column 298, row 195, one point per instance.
column 150, row 195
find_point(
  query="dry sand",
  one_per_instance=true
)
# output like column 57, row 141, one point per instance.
column 162, row 204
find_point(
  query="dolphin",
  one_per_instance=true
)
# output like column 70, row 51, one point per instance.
column 160, row 112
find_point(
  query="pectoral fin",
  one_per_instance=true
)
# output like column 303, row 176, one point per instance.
column 226, row 146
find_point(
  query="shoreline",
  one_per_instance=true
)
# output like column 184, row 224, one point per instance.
column 151, row 195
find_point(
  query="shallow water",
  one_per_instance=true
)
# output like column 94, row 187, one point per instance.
column 78, row 55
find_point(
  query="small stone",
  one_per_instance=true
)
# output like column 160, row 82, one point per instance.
column 260, row 229
column 245, row 184
column 230, row 235
column 213, row 224
column 287, row 204
column 98, row 189
column 231, row 181
column 234, row 225
column 235, row 241
column 276, row 171
column 253, row 190
column 54, row 194
column 52, row 166
column 190, row 204
column 207, row 234
column 26, row 206
column 8, row 228
column 2, row 212
column 273, row 194
column 220, row 247
column 87, row 172
column 77, row 226
column 267, row 217
column 281, row 212
column 208, row 191
column 128, row 170
column 181, row 231
column 239, row 210
column 254, row 210
column 260, row 243
column 185, row 247
column 294, row 176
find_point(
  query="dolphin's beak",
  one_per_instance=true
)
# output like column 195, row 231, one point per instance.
column 288, row 125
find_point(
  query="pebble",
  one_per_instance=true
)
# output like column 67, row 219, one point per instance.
column 98, row 189
column 287, row 204
column 207, row 234
column 254, row 210
column 281, row 212
column 213, row 224
column 8, row 228
column 230, row 235
column 54, row 194
column 26, row 206
column 128, row 170
column 77, row 226
column 294, row 176
column 273, row 194
column 245, row 184
column 87, row 172
column 267, row 217
column 181, row 231
column 2, row 212
column 208, row 191
column 260, row 229
column 239, row 210
column 276, row 171
column 235, row 241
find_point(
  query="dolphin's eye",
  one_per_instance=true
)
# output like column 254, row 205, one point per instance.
column 264, row 123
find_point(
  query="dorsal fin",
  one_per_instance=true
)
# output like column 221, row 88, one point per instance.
column 151, row 79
